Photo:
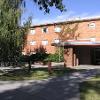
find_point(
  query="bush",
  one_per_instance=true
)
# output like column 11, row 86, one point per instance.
column 57, row 57
column 42, row 56
column 54, row 58
column 34, row 57
column 38, row 57
column 24, row 58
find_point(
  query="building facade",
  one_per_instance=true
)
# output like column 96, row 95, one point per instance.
column 82, row 46
column 41, row 35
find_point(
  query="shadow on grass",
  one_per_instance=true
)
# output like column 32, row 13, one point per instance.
column 36, row 73
column 90, row 89
column 42, row 73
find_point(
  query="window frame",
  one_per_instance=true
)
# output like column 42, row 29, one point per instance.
column 56, row 40
column 57, row 29
column 92, row 25
column 32, row 33
column 45, row 43
column 45, row 31
column 33, row 42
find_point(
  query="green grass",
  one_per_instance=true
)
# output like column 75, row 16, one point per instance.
column 90, row 90
column 37, row 74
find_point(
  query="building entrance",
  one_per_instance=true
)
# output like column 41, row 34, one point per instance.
column 84, row 56
column 95, row 56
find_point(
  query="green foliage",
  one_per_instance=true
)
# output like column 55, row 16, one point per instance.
column 37, row 74
column 90, row 89
column 57, row 57
column 60, row 52
column 24, row 58
column 53, row 58
column 11, row 35
column 40, row 55
column 46, row 4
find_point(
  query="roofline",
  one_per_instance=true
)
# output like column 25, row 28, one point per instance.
column 67, row 21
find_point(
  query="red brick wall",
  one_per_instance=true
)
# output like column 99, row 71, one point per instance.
column 68, row 57
column 39, row 37
column 74, row 56
column 83, row 30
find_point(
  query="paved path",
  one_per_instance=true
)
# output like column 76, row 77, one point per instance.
column 59, row 88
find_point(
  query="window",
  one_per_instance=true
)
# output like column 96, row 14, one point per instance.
column 92, row 39
column 56, row 40
column 92, row 25
column 32, row 31
column 57, row 29
column 44, row 30
column 33, row 43
column 44, row 42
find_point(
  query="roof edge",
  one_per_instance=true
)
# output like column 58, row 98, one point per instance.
column 68, row 21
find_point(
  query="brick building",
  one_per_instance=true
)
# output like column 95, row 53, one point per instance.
column 41, row 35
column 82, row 48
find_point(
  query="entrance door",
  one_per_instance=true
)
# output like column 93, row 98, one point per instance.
column 96, row 56
column 84, row 56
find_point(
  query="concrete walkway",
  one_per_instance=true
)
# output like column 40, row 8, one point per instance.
column 87, row 67
column 58, row 88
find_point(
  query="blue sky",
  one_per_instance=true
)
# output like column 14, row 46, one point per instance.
column 75, row 9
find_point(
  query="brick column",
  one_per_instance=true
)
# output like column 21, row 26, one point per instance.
column 68, row 57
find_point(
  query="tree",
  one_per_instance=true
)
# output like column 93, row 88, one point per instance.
column 68, row 31
column 12, row 36
column 46, row 4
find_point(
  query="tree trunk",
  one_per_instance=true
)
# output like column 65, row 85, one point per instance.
column 49, row 67
column 29, row 66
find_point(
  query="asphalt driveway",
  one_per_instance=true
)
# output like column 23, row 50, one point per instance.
column 58, row 88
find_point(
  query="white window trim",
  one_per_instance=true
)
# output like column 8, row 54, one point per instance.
column 44, row 42
column 32, row 31
column 56, row 40
column 92, row 25
column 57, row 29
column 32, row 42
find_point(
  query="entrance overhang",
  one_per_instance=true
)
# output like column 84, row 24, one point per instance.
column 77, row 43
column 80, row 52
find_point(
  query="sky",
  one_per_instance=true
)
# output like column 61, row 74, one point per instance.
column 75, row 9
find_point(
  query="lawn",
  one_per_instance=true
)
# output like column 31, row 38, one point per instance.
column 37, row 74
column 90, row 89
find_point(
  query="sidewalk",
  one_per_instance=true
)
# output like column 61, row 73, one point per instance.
column 87, row 67
column 61, row 64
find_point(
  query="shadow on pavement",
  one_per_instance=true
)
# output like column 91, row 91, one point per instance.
column 58, row 88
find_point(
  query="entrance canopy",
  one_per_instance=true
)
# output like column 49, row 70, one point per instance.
column 77, row 43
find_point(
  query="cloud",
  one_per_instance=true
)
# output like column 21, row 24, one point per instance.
column 85, row 16
column 63, row 17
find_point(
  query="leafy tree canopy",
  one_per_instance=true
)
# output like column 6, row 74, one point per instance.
column 46, row 4
column 12, row 37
